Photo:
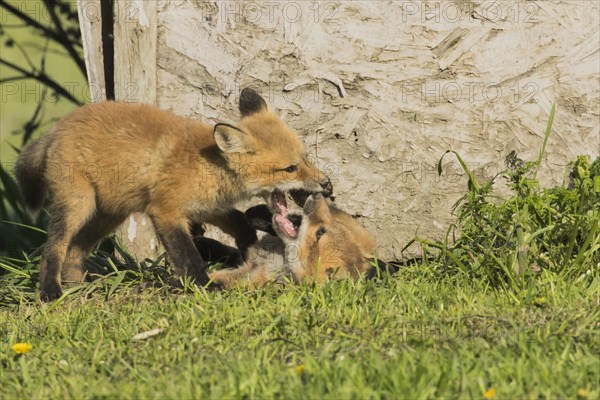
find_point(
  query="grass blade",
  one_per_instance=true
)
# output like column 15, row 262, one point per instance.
column 33, row 228
column 546, row 136
column 472, row 183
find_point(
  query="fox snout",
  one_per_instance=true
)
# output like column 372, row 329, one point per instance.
column 322, row 183
column 301, row 195
column 327, row 187
column 315, row 204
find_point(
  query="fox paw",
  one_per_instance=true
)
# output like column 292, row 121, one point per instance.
column 50, row 293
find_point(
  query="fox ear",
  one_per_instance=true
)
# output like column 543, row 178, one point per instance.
column 379, row 267
column 232, row 140
column 261, row 219
column 251, row 102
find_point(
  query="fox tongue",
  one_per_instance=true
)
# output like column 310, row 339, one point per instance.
column 280, row 219
column 279, row 203
column 285, row 225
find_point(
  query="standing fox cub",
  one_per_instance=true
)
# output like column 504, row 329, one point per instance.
column 322, row 243
column 108, row 160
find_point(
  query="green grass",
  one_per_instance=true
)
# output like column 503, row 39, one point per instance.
column 412, row 335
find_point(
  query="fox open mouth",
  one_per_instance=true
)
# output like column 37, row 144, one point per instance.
column 281, row 222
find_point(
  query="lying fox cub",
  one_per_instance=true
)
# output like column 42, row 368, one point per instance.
column 324, row 243
column 108, row 160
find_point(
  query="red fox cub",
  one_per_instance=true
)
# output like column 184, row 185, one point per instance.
column 108, row 160
column 326, row 244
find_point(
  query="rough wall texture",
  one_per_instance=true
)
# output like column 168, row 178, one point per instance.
column 378, row 90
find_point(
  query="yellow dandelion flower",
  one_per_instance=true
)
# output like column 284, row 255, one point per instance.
column 21, row 348
column 539, row 301
column 582, row 393
column 299, row 370
column 489, row 394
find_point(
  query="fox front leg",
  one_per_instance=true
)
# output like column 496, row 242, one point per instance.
column 182, row 252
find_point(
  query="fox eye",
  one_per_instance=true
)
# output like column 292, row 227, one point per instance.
column 291, row 169
column 320, row 232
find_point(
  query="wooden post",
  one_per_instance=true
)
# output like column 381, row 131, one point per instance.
column 90, row 21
